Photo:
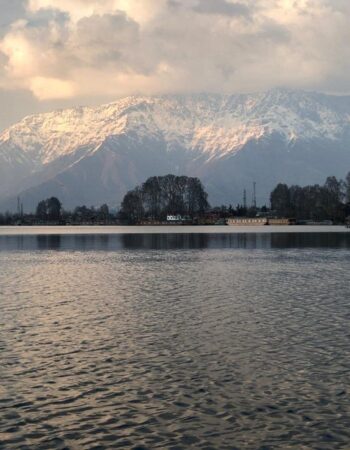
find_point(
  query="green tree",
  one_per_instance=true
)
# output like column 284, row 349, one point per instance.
column 41, row 210
column 280, row 200
column 160, row 196
column 347, row 188
column 332, row 197
column 54, row 208
column 103, row 213
column 82, row 214
column 152, row 196
column 132, row 206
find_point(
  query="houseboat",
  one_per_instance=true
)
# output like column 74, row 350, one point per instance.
column 247, row 221
column 259, row 221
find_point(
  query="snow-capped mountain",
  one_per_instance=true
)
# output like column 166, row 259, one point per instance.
column 94, row 155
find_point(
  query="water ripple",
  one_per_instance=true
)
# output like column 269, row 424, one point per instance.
column 153, row 349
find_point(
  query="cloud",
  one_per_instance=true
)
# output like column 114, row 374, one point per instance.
column 45, row 88
column 222, row 7
column 10, row 11
column 81, row 49
column 139, row 10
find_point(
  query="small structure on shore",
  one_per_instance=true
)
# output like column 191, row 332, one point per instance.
column 175, row 218
column 281, row 221
column 259, row 221
column 247, row 221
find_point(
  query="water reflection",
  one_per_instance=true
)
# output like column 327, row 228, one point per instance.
column 105, row 242
column 45, row 242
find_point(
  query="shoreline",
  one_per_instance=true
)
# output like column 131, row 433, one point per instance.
column 14, row 230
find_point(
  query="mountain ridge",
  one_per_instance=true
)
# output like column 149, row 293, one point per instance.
column 193, row 133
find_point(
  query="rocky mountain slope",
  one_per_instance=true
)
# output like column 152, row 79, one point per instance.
column 94, row 155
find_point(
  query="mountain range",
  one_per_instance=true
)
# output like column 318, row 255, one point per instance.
column 93, row 155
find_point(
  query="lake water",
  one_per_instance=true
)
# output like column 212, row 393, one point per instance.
column 133, row 338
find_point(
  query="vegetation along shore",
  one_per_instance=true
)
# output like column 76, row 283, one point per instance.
column 171, row 199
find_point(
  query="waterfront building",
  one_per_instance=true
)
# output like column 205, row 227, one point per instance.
column 259, row 221
column 175, row 218
column 247, row 221
column 281, row 221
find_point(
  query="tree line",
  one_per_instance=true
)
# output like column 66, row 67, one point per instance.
column 161, row 196
column 330, row 201
column 51, row 212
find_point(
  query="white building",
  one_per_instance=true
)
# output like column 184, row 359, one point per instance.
column 177, row 218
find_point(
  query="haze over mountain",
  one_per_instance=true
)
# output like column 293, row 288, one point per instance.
column 94, row 155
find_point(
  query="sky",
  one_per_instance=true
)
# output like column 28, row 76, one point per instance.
column 60, row 53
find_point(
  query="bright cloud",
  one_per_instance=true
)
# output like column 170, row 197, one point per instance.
column 139, row 10
column 61, row 49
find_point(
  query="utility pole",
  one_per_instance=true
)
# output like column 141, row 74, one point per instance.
column 18, row 206
column 245, row 199
column 254, row 195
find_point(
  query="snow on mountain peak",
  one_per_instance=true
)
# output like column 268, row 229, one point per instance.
column 93, row 155
column 215, row 125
